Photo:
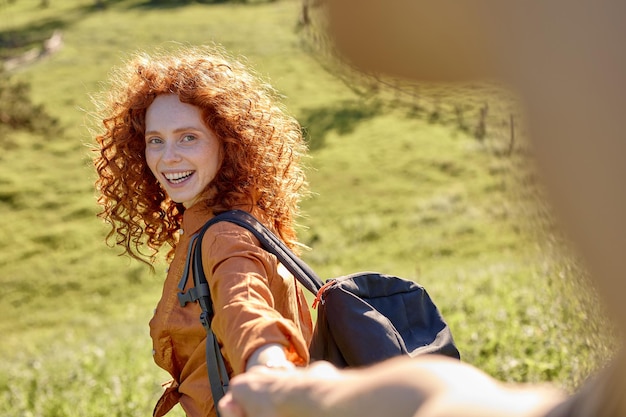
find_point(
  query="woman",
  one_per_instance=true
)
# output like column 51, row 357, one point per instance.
column 188, row 135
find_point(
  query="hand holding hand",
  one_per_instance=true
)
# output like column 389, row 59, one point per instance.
column 273, row 392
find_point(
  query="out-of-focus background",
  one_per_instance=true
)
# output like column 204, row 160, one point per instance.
column 431, row 182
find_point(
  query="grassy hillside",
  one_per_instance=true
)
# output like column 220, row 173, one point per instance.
column 396, row 190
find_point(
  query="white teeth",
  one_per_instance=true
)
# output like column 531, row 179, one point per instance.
column 177, row 177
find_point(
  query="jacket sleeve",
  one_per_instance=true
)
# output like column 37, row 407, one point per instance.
column 242, row 276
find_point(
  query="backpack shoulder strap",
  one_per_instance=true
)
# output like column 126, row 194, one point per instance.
column 271, row 243
column 216, row 367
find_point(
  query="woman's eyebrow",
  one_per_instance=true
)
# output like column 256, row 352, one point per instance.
column 178, row 130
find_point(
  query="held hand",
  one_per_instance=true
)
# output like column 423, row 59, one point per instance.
column 278, row 392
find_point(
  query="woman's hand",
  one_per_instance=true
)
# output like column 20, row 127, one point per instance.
column 271, row 355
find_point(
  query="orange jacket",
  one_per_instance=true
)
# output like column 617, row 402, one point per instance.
column 256, row 302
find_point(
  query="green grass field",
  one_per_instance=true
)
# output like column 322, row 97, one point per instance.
column 407, row 190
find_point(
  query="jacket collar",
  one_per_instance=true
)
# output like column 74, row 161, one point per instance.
column 195, row 217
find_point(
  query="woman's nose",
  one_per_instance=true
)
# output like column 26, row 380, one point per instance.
column 170, row 153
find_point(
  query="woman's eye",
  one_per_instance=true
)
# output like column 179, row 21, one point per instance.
column 153, row 140
column 188, row 138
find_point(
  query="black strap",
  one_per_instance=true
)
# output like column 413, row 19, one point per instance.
column 216, row 368
column 271, row 243
column 183, row 282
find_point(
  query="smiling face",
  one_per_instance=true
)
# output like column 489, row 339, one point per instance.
column 181, row 151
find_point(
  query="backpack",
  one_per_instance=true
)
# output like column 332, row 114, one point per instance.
column 362, row 318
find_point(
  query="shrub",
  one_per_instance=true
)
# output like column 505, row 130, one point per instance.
column 18, row 112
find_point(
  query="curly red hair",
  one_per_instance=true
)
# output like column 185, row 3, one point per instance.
column 262, row 147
